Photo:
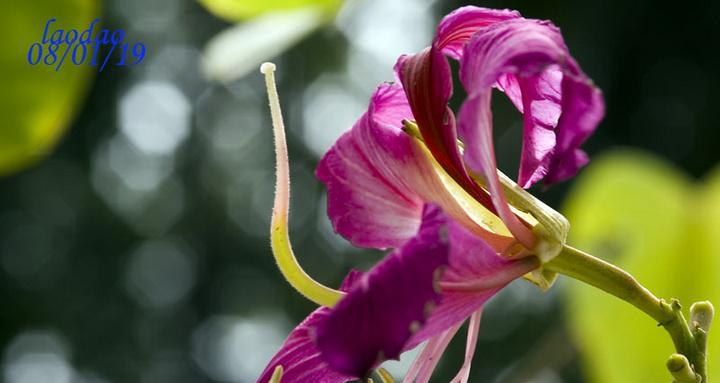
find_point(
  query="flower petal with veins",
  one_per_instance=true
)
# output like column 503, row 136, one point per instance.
column 379, row 178
column 475, row 272
column 529, row 61
column 380, row 312
column 371, row 200
column 299, row 356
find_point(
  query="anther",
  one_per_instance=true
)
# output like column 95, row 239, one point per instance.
column 277, row 374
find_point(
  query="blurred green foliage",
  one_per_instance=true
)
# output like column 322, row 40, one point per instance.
column 38, row 103
column 650, row 219
column 91, row 234
column 237, row 10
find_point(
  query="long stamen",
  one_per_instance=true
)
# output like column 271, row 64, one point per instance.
column 425, row 363
column 280, row 239
column 472, row 337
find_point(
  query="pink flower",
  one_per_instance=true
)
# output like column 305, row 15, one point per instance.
column 443, row 210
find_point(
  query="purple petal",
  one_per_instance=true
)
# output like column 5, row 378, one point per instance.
column 387, row 305
column 427, row 81
column 476, row 129
column 378, row 180
column 300, row 358
column 457, row 27
column 396, row 305
column 529, row 61
column 369, row 201
column 539, row 99
column 583, row 108
column 474, row 274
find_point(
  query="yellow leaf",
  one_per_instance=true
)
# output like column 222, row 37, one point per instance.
column 237, row 10
column 38, row 103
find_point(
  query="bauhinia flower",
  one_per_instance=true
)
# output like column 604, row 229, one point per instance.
column 409, row 176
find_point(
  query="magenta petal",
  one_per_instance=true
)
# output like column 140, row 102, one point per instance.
column 369, row 201
column 529, row 61
column 583, row 109
column 539, row 99
column 300, row 358
column 474, row 274
column 387, row 305
column 457, row 27
column 427, row 81
column 476, row 128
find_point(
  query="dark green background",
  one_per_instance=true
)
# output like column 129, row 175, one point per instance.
column 656, row 63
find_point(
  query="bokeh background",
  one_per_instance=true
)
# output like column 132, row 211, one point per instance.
column 136, row 249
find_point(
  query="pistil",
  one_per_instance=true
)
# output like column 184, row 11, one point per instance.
column 279, row 235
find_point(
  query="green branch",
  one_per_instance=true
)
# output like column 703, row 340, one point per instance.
column 690, row 339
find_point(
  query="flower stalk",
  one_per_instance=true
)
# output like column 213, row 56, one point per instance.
column 690, row 339
column 680, row 369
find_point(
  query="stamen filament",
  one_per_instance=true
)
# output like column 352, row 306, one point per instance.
column 425, row 363
column 472, row 337
column 277, row 375
column 385, row 376
column 279, row 235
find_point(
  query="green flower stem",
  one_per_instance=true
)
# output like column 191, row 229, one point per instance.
column 611, row 279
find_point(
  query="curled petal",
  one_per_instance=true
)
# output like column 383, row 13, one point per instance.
column 583, row 108
column 427, row 80
column 529, row 61
column 387, row 305
column 476, row 127
column 299, row 357
column 457, row 27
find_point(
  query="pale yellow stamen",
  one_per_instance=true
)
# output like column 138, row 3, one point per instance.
column 385, row 376
column 279, row 236
column 277, row 375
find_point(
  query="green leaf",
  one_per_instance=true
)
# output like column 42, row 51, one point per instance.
column 237, row 10
column 648, row 218
column 37, row 103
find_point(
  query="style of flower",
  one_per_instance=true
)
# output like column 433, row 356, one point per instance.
column 460, row 231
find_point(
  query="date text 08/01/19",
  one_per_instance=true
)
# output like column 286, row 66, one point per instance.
column 49, row 50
